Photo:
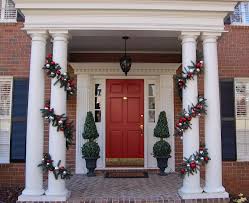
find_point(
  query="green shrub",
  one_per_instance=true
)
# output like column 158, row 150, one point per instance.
column 90, row 150
column 90, row 130
column 161, row 149
column 161, row 130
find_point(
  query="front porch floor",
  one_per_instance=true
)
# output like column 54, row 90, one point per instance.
column 100, row 189
column 153, row 189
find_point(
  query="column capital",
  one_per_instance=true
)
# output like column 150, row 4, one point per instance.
column 59, row 35
column 210, row 37
column 38, row 35
column 189, row 36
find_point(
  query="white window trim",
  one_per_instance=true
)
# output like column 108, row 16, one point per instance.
column 2, row 17
column 242, row 133
column 242, row 13
column 7, row 119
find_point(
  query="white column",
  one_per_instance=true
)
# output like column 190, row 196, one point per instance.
column 191, row 184
column 213, row 180
column 57, row 143
column 83, row 106
column 35, row 128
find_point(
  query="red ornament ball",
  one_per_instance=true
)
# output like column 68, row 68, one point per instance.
column 192, row 165
column 183, row 171
column 206, row 158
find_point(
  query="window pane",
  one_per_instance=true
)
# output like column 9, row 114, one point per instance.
column 152, row 103
column 152, row 90
column 97, row 102
column 152, row 116
column 97, row 116
column 97, row 90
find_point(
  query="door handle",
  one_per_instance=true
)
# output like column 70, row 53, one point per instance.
column 142, row 129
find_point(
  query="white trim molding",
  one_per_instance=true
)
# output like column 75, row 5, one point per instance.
column 160, row 74
column 179, row 15
column 142, row 69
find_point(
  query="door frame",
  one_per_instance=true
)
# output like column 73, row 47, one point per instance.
column 147, row 80
column 90, row 73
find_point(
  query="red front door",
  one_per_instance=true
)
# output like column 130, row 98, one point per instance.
column 125, row 119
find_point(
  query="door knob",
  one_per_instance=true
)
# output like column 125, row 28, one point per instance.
column 142, row 129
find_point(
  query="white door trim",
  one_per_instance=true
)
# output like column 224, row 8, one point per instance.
column 100, row 72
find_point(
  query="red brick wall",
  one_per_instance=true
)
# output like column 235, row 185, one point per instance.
column 14, row 61
column 233, row 56
column 234, row 62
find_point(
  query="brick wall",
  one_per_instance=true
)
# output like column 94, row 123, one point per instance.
column 234, row 62
column 233, row 49
column 14, row 61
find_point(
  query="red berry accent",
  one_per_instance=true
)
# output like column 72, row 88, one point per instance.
column 180, row 120
column 206, row 159
column 50, row 56
column 182, row 171
column 52, row 63
column 184, row 119
column 193, row 165
column 189, row 118
column 58, row 72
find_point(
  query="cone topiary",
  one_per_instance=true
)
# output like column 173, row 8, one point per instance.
column 90, row 129
column 161, row 148
column 161, row 130
column 91, row 148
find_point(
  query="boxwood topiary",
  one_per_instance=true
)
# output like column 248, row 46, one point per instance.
column 161, row 130
column 90, row 150
column 161, row 149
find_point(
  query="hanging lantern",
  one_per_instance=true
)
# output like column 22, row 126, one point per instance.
column 125, row 61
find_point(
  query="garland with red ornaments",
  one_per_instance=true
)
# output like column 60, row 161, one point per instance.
column 192, row 164
column 59, row 121
column 58, row 171
column 193, row 111
column 53, row 70
column 188, row 74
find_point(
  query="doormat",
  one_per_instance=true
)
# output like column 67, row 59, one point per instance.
column 126, row 174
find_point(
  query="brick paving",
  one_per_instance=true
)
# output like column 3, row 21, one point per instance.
column 155, row 189
column 100, row 189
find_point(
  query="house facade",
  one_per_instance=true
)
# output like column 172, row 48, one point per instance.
column 86, row 41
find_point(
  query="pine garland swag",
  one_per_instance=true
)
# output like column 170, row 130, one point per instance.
column 58, row 171
column 53, row 70
column 192, row 164
column 188, row 74
column 59, row 121
column 186, row 116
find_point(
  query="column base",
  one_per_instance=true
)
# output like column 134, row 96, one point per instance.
column 204, row 195
column 190, row 191
column 44, row 198
column 29, row 194
column 214, row 190
column 57, row 197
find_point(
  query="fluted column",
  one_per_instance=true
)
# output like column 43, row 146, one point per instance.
column 57, row 143
column 35, row 124
column 213, row 180
column 191, row 184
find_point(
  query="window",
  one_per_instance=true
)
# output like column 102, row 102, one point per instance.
column 241, row 14
column 97, row 103
column 152, row 102
column 8, row 12
column 6, row 86
column 242, row 118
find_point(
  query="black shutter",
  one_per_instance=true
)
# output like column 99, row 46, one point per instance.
column 19, row 120
column 228, row 127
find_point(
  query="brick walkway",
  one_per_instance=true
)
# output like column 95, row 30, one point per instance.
column 100, row 189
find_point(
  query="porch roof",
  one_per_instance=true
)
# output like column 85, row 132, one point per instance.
column 188, row 15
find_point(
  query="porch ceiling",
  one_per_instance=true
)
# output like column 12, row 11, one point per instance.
column 111, row 41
